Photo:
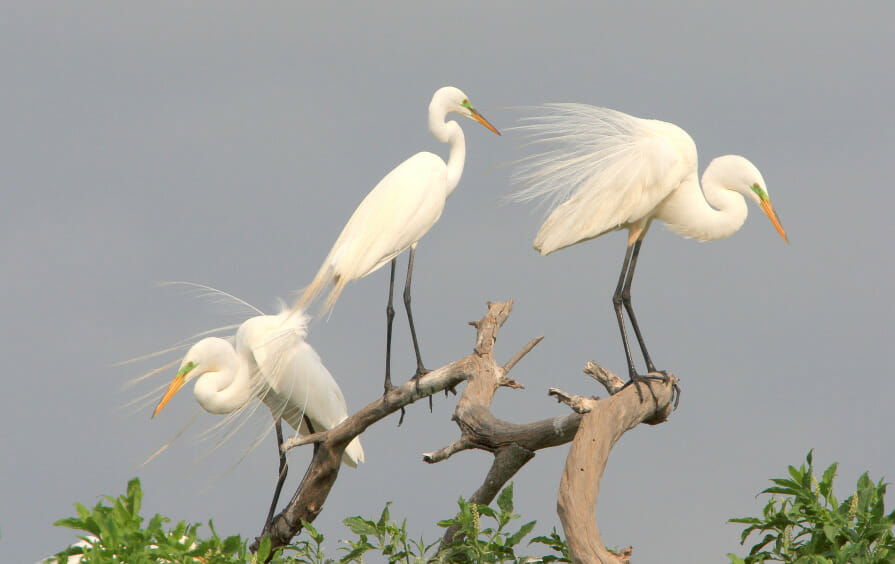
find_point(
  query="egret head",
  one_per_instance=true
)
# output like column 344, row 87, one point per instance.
column 200, row 359
column 737, row 173
column 450, row 99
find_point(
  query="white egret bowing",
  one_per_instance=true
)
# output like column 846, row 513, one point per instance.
column 396, row 214
column 607, row 170
column 271, row 362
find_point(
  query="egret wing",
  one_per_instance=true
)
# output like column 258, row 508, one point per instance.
column 394, row 215
column 293, row 382
column 601, row 169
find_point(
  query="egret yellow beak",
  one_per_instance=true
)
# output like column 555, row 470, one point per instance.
column 175, row 385
column 768, row 209
column 481, row 119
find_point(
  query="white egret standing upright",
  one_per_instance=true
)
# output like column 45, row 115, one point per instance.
column 608, row 170
column 396, row 214
column 271, row 362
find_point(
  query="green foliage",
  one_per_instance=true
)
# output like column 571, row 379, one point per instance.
column 115, row 532
column 492, row 541
column 385, row 537
column 807, row 525
column 478, row 542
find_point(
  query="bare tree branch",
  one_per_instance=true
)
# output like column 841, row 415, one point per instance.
column 610, row 381
column 521, row 354
column 576, row 403
column 595, row 425
column 607, row 420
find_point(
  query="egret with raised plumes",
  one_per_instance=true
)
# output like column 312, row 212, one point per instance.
column 272, row 362
column 604, row 170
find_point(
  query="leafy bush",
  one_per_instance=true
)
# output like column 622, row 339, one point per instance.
column 115, row 533
column 808, row 525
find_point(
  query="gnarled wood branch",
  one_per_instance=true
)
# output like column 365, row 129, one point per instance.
column 595, row 425
column 512, row 444
column 604, row 423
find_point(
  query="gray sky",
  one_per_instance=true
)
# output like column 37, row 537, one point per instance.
column 228, row 144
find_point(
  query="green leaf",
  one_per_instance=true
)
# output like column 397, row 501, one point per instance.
column 831, row 533
column 505, row 499
column 360, row 526
column 830, row 474
column 521, row 533
column 384, row 517
column 263, row 549
column 70, row 522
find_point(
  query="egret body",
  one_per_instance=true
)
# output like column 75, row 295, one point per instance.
column 396, row 214
column 606, row 170
column 271, row 362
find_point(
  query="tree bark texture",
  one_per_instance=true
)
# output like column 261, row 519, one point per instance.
column 603, row 424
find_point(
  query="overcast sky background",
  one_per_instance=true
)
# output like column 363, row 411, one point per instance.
column 228, row 143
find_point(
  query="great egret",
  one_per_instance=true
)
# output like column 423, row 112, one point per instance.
column 272, row 362
column 608, row 170
column 396, row 214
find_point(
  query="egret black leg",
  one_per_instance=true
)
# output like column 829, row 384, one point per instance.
column 618, row 304
column 420, row 369
column 626, row 300
column 622, row 299
column 312, row 430
column 389, row 317
column 284, row 469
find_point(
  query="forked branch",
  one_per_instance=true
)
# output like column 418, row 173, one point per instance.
column 512, row 444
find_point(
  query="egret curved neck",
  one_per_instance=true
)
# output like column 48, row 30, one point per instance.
column 714, row 212
column 226, row 387
column 452, row 134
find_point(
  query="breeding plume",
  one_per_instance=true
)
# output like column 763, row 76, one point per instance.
column 605, row 170
column 396, row 214
column 271, row 362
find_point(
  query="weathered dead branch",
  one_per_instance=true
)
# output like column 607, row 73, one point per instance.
column 595, row 425
column 512, row 444
column 604, row 423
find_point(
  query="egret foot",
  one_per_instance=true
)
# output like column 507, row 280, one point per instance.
column 386, row 389
column 420, row 372
column 636, row 379
column 675, row 389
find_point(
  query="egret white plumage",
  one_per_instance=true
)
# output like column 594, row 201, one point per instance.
column 271, row 362
column 606, row 170
column 396, row 214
